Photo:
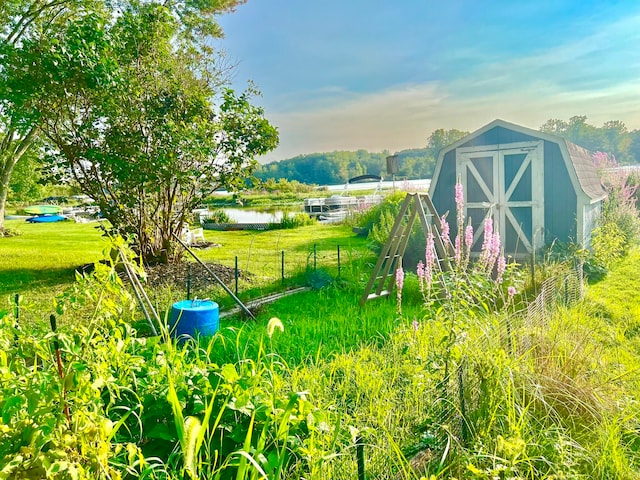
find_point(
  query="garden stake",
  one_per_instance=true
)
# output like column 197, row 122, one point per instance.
column 235, row 274
column 139, row 291
column 215, row 277
column 56, row 346
column 360, row 457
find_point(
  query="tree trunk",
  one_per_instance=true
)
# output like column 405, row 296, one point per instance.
column 11, row 150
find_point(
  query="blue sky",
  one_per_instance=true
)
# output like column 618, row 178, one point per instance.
column 350, row 74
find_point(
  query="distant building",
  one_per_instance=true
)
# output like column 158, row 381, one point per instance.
column 537, row 187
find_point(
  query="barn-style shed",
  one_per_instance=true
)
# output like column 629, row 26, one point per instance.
column 536, row 186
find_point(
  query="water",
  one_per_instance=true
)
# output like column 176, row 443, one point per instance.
column 245, row 215
column 421, row 184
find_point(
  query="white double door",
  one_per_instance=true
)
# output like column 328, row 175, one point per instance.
column 505, row 182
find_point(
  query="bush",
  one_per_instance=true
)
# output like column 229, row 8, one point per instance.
column 218, row 216
column 609, row 243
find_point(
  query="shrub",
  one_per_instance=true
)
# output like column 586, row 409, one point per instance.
column 218, row 216
column 609, row 243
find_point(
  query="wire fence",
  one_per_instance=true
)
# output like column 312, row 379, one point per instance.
column 252, row 270
column 465, row 385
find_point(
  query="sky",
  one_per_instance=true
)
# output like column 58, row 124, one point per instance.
column 373, row 75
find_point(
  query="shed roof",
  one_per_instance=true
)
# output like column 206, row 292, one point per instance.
column 585, row 170
column 579, row 157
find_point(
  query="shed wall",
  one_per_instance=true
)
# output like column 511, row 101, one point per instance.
column 443, row 195
column 559, row 196
column 560, row 200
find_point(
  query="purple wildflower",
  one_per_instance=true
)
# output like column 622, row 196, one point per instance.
column 430, row 260
column 495, row 250
column 457, row 251
column 468, row 236
column 399, row 284
column 500, row 268
column 415, row 325
column 459, row 196
column 421, row 275
column 444, row 231
column 511, row 291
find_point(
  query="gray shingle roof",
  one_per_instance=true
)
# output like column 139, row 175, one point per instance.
column 585, row 170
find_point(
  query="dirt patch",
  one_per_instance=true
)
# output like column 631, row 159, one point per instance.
column 178, row 273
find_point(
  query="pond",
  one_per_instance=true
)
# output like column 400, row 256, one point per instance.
column 248, row 215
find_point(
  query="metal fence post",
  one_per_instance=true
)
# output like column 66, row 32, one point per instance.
column 236, row 274
column 360, row 457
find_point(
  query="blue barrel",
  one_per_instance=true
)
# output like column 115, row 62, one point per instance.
column 191, row 316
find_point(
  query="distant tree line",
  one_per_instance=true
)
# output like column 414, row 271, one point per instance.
column 338, row 167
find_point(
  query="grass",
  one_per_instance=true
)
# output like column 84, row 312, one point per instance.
column 41, row 261
column 565, row 405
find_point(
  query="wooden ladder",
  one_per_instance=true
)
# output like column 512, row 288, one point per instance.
column 415, row 206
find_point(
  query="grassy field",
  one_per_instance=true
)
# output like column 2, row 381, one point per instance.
column 453, row 397
column 39, row 264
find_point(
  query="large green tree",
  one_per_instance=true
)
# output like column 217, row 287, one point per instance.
column 136, row 113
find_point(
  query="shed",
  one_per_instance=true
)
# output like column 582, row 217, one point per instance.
column 537, row 187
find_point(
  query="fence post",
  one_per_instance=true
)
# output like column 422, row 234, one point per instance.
column 338, row 261
column 463, row 407
column 236, row 275
column 283, row 265
column 360, row 457
column 315, row 256
column 17, row 316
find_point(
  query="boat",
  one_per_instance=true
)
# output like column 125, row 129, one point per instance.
column 46, row 219
column 338, row 207
column 43, row 210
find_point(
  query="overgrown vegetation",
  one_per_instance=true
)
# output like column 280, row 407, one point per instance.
column 452, row 377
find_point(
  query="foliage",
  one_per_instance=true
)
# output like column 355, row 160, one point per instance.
column 218, row 216
column 26, row 26
column 613, row 136
column 148, row 144
column 124, row 103
column 152, row 408
column 282, row 186
column 293, row 221
column 619, row 225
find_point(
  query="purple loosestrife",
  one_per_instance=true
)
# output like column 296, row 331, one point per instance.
column 459, row 197
column 430, row 261
column 468, row 243
column 501, row 267
column 420, row 273
column 485, row 254
column 457, row 251
column 495, row 250
column 460, row 216
column 444, row 232
column 399, row 285
column 511, row 291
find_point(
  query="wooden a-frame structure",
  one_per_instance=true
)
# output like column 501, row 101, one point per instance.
column 415, row 206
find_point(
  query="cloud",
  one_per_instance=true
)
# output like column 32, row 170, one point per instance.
column 404, row 118
column 596, row 75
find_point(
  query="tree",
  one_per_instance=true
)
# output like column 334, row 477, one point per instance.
column 27, row 26
column 133, row 122
column 441, row 138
